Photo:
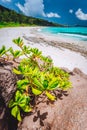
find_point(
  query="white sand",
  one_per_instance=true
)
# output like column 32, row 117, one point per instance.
column 8, row 34
column 61, row 57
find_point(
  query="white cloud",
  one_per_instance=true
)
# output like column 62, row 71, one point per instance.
column 6, row 0
column 35, row 8
column 32, row 7
column 81, row 15
column 49, row 15
column 71, row 11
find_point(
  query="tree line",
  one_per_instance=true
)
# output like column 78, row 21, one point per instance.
column 7, row 15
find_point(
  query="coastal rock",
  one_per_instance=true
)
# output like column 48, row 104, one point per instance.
column 7, row 89
column 69, row 112
column 7, row 83
column 79, row 72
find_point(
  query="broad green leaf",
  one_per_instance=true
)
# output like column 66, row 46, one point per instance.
column 22, row 100
column 36, row 91
column 2, row 50
column 36, row 51
column 18, row 41
column 50, row 96
column 12, row 103
column 22, row 104
column 17, row 96
column 53, row 85
column 37, row 83
column 26, row 49
column 11, row 50
column 23, row 87
column 22, row 84
column 15, row 111
column 27, row 99
column 42, row 78
column 20, row 68
column 16, row 71
column 27, row 108
column 17, row 53
column 45, row 84
column 19, row 116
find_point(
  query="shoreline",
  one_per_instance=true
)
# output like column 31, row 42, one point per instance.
column 59, row 41
column 58, row 44
column 63, row 54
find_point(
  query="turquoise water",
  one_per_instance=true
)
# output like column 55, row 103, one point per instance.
column 78, row 33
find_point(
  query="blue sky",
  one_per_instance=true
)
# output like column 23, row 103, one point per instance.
column 69, row 12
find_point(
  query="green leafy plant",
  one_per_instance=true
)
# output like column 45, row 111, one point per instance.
column 18, row 42
column 3, row 51
column 44, row 84
column 39, row 77
column 21, row 101
column 15, row 54
column 22, row 85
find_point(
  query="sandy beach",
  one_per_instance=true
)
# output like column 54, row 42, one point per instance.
column 64, row 52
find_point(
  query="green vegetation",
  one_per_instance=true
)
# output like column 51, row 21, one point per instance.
column 9, row 18
column 39, row 77
column 11, row 24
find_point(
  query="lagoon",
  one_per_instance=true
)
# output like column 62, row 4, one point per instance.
column 76, row 33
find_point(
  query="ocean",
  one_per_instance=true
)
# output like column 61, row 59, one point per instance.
column 77, row 33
